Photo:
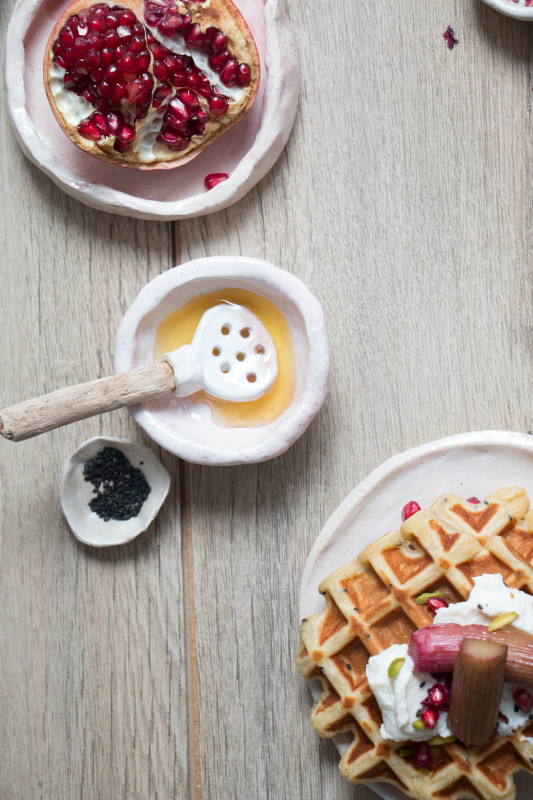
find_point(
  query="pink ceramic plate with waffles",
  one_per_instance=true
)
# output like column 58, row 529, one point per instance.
column 468, row 464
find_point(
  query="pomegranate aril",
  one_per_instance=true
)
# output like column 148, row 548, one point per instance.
column 189, row 98
column 161, row 71
column 409, row 509
column 95, row 40
column 89, row 130
column 92, row 59
column 523, row 700
column 135, row 90
column 97, row 24
column 194, row 35
column 119, row 146
column 107, row 56
column 80, row 47
column 120, row 92
column 244, row 75
column 111, row 39
column 105, row 89
column 437, row 696
column 201, row 115
column 170, row 25
column 434, row 603
column 127, row 63
column 143, row 61
column 65, row 37
column 422, row 756
column 217, row 60
column 219, row 43
column 173, row 139
column 126, row 133
column 196, row 128
column 218, row 104
column 186, row 21
column 193, row 79
column 212, row 180
column 101, row 123
column 179, row 110
column 127, row 18
column 161, row 94
column 136, row 44
column 473, row 500
column 111, row 21
column 120, row 51
column 430, row 717
column 113, row 123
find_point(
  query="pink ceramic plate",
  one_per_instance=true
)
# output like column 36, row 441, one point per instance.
column 246, row 152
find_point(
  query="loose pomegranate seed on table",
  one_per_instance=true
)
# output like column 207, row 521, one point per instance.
column 129, row 67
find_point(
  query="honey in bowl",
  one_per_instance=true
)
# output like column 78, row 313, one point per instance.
column 179, row 326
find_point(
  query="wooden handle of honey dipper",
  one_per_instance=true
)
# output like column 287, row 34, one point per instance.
column 50, row 411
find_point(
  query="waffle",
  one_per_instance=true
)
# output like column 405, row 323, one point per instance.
column 370, row 604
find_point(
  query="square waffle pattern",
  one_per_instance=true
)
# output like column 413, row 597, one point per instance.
column 370, row 604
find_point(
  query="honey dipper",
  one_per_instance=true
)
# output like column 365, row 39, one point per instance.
column 231, row 357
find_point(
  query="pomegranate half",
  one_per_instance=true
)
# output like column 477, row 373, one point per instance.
column 149, row 83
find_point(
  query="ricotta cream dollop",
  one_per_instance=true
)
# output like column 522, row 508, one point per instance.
column 400, row 697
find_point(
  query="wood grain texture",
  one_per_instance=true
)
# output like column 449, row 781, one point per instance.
column 165, row 668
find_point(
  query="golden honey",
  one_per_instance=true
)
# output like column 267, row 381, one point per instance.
column 179, row 327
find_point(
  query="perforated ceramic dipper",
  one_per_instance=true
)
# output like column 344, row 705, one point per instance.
column 231, row 357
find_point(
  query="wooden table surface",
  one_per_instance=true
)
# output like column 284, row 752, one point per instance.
column 165, row 668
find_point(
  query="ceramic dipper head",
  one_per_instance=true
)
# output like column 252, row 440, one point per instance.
column 231, row 356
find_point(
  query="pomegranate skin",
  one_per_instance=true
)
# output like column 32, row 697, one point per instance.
column 126, row 74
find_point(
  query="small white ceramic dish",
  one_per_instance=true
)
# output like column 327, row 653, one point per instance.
column 245, row 153
column 185, row 426
column 467, row 464
column 76, row 493
column 512, row 8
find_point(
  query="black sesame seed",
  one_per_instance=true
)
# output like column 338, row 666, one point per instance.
column 516, row 709
column 422, row 684
column 530, row 717
column 412, row 547
column 348, row 666
column 120, row 489
column 480, row 606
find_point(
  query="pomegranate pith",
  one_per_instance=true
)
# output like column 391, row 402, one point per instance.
column 131, row 60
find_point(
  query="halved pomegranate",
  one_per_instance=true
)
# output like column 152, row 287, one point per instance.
column 149, row 83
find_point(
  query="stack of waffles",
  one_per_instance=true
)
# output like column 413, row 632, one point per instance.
column 371, row 604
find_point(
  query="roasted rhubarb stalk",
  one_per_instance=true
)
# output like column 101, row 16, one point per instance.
column 476, row 690
column 435, row 649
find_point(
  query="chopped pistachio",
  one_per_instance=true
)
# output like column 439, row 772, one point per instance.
column 442, row 739
column 501, row 620
column 395, row 666
column 419, row 725
column 404, row 752
column 422, row 599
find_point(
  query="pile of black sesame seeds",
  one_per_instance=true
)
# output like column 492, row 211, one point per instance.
column 120, row 488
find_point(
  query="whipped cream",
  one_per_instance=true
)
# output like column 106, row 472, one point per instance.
column 400, row 697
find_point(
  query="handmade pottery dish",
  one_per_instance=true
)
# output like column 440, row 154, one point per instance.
column 467, row 464
column 245, row 153
column 112, row 489
column 520, row 9
column 197, row 428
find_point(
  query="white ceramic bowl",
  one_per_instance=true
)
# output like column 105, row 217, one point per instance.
column 512, row 8
column 468, row 464
column 246, row 152
column 187, row 429
column 76, row 493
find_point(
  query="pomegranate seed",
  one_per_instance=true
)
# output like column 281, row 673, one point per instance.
column 219, row 43
column 135, row 90
column 189, row 98
column 212, row 180
column 193, row 79
column 113, row 123
column 244, row 75
column 161, row 71
column 65, row 37
column 112, row 21
column 120, row 92
column 126, row 133
column 437, row 696
column 101, row 123
column 120, row 51
column 105, row 89
column 196, row 128
column 95, row 40
column 473, row 500
column 136, row 44
column 186, row 20
column 143, row 61
column 523, row 700
column 111, row 39
column 80, row 46
column 422, row 756
column 194, row 35
column 409, row 509
column 119, row 146
column 173, row 139
column 107, row 56
column 179, row 110
column 92, row 59
column 217, row 60
column 127, row 64
column 201, row 115
column 88, row 130
column 434, row 603
column 161, row 94
column 430, row 717
column 97, row 24
column 170, row 25
column 218, row 104
column 127, row 18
